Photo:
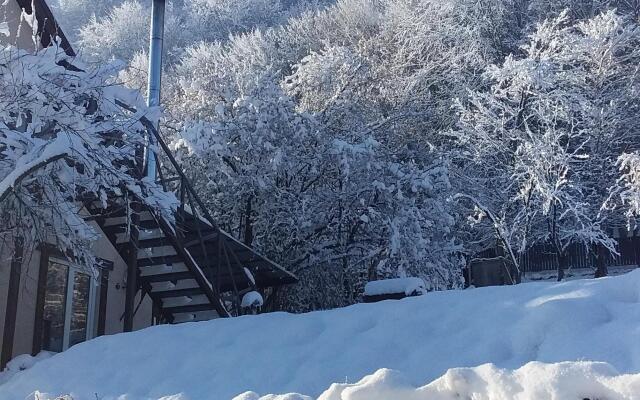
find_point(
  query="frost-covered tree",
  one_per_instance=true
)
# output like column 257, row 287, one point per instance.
column 64, row 140
column 337, row 205
column 287, row 112
column 549, row 130
column 627, row 188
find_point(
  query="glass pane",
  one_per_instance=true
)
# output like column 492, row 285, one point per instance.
column 79, row 308
column 54, row 307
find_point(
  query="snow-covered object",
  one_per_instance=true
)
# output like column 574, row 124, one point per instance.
column 408, row 286
column 420, row 337
column 252, row 299
column 22, row 362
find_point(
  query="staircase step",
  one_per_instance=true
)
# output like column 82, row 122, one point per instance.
column 195, row 316
column 178, row 292
column 189, row 308
column 143, row 234
column 184, row 301
column 178, row 281
column 160, row 288
column 113, row 221
column 162, row 269
column 171, row 277
column 145, row 262
column 153, row 252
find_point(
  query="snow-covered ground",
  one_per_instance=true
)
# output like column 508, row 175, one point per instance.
column 382, row 351
column 575, row 273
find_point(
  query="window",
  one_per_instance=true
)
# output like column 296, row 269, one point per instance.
column 69, row 304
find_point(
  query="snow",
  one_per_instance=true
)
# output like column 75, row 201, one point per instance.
column 59, row 147
column 407, row 286
column 567, row 380
column 249, row 276
column 4, row 29
column 419, row 338
column 22, row 362
column 252, row 299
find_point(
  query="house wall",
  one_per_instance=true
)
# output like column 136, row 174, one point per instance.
column 20, row 32
column 25, row 319
column 116, row 291
column 5, row 265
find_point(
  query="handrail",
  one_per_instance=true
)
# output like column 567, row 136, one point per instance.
column 188, row 199
column 184, row 180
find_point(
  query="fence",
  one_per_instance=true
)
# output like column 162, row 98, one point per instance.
column 542, row 257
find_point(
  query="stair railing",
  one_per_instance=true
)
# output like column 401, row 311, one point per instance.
column 187, row 195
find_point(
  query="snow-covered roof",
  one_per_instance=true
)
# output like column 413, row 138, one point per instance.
column 407, row 286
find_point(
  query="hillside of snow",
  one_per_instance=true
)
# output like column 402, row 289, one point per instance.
column 380, row 351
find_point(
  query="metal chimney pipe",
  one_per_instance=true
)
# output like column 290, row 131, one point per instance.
column 155, row 72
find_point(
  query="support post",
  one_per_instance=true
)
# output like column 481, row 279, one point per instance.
column 12, row 302
column 132, row 268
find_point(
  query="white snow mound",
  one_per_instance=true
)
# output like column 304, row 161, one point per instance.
column 534, row 381
column 421, row 338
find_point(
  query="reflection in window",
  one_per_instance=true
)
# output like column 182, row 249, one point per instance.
column 67, row 305
column 54, row 307
column 79, row 309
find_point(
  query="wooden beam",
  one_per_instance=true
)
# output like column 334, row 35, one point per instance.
column 12, row 302
column 132, row 268
column 102, row 305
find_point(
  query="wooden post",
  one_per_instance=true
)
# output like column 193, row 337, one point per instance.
column 12, row 302
column 132, row 269
column 102, row 306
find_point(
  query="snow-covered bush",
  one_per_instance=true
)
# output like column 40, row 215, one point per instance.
column 336, row 206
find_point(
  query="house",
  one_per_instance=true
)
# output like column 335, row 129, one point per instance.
column 150, row 269
column 30, row 25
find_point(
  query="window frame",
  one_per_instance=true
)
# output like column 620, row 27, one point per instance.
column 51, row 255
column 72, row 271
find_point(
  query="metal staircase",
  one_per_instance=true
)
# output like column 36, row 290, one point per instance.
column 190, row 268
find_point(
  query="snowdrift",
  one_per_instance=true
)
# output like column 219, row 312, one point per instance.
column 419, row 338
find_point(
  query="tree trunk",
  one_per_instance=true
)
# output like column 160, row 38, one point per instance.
column 248, row 223
column 562, row 264
column 601, row 261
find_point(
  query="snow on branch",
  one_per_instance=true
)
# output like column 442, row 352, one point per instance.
column 65, row 140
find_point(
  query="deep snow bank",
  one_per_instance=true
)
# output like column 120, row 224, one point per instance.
column 419, row 337
column 534, row 381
